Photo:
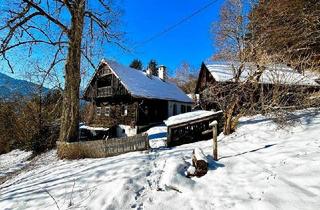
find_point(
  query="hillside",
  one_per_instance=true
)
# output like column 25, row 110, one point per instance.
column 260, row 167
column 10, row 87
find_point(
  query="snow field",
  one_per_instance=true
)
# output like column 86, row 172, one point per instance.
column 259, row 167
column 13, row 161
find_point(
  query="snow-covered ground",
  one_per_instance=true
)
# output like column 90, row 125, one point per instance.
column 260, row 167
column 13, row 161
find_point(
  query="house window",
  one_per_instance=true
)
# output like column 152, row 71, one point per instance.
column 174, row 109
column 183, row 108
column 98, row 111
column 146, row 110
column 188, row 108
column 107, row 111
column 124, row 110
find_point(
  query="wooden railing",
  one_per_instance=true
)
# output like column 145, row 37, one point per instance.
column 105, row 91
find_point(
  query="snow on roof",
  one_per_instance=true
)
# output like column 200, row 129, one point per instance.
column 273, row 74
column 140, row 85
column 93, row 128
column 189, row 116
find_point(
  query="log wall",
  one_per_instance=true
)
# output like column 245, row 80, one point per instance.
column 116, row 116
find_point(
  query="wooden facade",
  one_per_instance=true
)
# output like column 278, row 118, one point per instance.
column 114, row 105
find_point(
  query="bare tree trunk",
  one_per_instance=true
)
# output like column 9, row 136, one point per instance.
column 69, row 130
column 227, row 124
column 229, row 114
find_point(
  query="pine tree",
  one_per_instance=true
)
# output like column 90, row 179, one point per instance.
column 152, row 66
column 136, row 64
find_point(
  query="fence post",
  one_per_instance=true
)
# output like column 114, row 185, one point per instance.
column 214, row 139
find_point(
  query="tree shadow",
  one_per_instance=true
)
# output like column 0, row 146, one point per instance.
column 254, row 150
column 307, row 116
column 213, row 164
column 254, row 121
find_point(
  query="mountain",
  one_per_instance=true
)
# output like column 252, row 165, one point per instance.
column 10, row 87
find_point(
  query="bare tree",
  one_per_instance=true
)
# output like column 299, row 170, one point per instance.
column 246, row 93
column 290, row 30
column 230, row 38
column 70, row 30
column 185, row 77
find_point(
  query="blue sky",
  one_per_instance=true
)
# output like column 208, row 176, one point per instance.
column 189, row 42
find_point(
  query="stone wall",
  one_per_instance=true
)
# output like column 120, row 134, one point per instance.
column 102, row 148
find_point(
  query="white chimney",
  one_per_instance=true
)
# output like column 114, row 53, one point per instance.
column 162, row 72
column 148, row 72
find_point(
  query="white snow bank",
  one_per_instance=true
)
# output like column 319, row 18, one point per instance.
column 13, row 161
column 173, row 177
column 198, row 153
column 157, row 136
column 189, row 116
column 157, row 129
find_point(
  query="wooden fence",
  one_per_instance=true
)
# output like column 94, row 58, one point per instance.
column 102, row 148
column 194, row 130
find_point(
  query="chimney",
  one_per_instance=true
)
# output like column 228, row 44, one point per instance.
column 148, row 72
column 162, row 72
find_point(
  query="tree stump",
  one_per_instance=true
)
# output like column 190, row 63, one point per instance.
column 200, row 162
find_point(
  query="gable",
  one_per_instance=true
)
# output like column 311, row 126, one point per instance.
column 204, row 78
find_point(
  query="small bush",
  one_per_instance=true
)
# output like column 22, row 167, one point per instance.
column 45, row 139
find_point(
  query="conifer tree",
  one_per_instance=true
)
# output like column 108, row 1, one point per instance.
column 152, row 66
column 136, row 64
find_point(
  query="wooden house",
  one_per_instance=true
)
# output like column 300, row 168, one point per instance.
column 132, row 100
column 273, row 75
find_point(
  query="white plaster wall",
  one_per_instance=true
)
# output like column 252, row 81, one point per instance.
column 128, row 130
column 178, row 104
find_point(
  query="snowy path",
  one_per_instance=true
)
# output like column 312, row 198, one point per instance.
column 260, row 167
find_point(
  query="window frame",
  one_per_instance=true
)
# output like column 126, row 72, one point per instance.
column 124, row 110
column 107, row 110
column 183, row 108
column 98, row 111
column 174, row 109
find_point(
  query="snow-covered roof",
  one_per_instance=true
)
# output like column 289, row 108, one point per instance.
column 189, row 116
column 140, row 85
column 273, row 74
column 93, row 128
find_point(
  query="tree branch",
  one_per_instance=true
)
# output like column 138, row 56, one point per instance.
column 48, row 16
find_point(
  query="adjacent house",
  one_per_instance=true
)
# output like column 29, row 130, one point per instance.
column 273, row 75
column 131, row 100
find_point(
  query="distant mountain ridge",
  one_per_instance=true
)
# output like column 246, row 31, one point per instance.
column 10, row 87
